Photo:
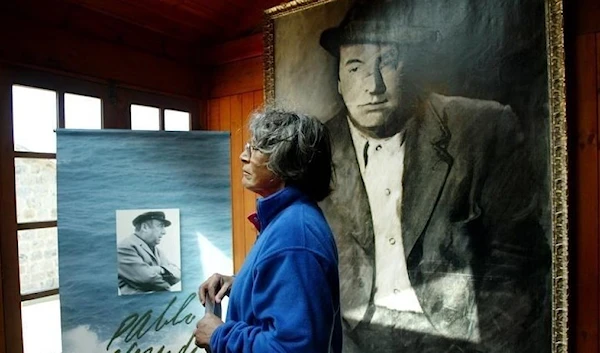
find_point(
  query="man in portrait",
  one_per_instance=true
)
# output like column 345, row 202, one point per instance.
column 435, row 208
column 143, row 266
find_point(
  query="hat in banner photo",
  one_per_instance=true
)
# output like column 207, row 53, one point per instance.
column 153, row 215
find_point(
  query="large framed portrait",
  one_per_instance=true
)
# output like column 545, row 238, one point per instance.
column 447, row 122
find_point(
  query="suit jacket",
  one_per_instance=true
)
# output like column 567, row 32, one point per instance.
column 476, row 253
column 140, row 268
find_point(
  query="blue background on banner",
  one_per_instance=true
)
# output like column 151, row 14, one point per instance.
column 100, row 172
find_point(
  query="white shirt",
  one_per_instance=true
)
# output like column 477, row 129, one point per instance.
column 382, row 176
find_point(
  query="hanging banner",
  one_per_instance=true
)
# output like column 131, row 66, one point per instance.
column 143, row 218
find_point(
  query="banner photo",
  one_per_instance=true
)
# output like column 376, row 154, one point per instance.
column 143, row 218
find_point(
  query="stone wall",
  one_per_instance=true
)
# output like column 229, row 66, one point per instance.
column 38, row 260
column 36, row 201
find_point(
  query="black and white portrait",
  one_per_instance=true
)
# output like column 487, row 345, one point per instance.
column 148, row 251
column 438, row 112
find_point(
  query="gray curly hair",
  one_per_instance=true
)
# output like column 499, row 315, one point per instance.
column 299, row 149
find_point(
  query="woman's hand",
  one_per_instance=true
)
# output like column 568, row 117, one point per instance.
column 215, row 288
column 205, row 328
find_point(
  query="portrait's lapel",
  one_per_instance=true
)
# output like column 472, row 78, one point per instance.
column 426, row 167
column 350, row 196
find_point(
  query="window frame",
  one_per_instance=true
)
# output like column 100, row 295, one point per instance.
column 111, row 95
column 116, row 100
column 56, row 85
column 163, row 103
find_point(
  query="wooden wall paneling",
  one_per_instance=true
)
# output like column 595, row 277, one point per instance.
column 231, row 113
column 586, row 249
column 96, row 25
column 587, row 16
column 192, row 21
column 259, row 97
column 47, row 80
column 99, row 26
column 235, row 50
column 213, row 115
column 225, row 115
column 116, row 112
column 200, row 122
column 10, row 294
column 2, row 309
column 209, row 16
column 40, row 46
column 135, row 96
column 596, row 187
column 248, row 105
column 236, row 78
column 3, row 141
column 237, row 190
column 158, row 17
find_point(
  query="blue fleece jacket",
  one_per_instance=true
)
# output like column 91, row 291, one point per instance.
column 286, row 296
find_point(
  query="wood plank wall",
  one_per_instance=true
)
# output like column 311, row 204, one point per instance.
column 235, row 89
column 231, row 113
column 584, row 116
column 52, row 47
column 10, row 299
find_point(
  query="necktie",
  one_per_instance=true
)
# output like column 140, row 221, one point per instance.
column 366, row 154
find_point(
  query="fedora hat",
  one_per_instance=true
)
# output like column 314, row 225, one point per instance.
column 153, row 215
column 379, row 21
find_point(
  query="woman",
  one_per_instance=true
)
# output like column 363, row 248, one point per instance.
column 286, row 297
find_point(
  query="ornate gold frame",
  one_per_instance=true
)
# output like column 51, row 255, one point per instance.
column 558, row 173
column 558, row 149
column 269, row 38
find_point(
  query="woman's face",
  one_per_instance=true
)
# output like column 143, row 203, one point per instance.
column 256, row 176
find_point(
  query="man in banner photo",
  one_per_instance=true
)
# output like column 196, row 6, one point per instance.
column 143, row 267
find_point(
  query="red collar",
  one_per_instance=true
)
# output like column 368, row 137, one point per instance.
column 253, row 218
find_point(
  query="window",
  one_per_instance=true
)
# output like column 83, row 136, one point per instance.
column 82, row 112
column 151, row 118
column 176, row 120
column 41, row 325
column 144, row 118
column 37, row 113
column 35, row 118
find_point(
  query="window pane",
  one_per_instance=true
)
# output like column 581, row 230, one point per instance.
column 34, row 119
column 176, row 120
column 38, row 259
column 35, row 186
column 82, row 112
column 41, row 325
column 144, row 118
